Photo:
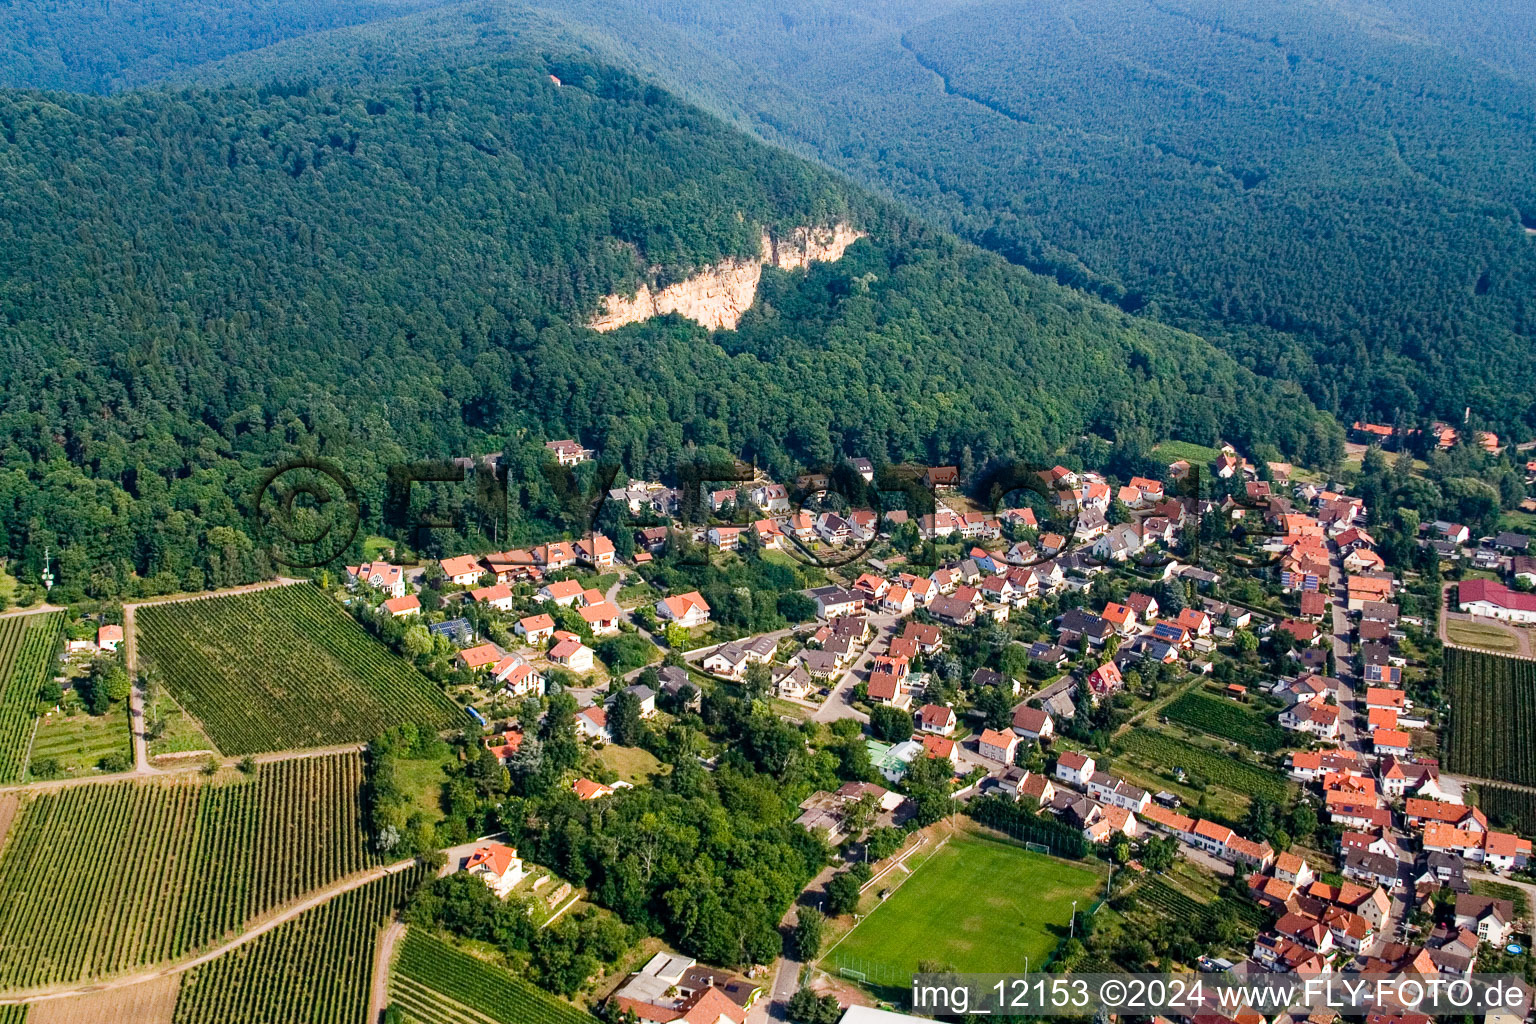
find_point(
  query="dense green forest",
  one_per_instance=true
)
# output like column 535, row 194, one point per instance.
column 105, row 45
column 1337, row 191
column 197, row 285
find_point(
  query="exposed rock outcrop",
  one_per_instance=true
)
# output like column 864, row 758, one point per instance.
column 717, row 297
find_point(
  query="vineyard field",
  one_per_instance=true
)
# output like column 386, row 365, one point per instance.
column 1165, row 753
column 98, row 880
column 317, row 968
column 1220, row 716
column 28, row 644
column 284, row 668
column 425, row 962
column 1515, row 809
column 1493, row 716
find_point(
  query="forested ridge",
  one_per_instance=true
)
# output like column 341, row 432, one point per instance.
column 1336, row 191
column 196, row 285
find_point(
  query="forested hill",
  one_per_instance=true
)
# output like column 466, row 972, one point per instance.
column 1336, row 191
column 195, row 285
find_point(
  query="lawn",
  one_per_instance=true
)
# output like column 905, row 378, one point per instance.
column 978, row 905
column 181, row 733
column 80, row 740
column 421, row 781
column 633, row 764
column 1477, row 634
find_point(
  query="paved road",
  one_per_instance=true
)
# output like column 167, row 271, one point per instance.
column 264, row 925
column 839, row 703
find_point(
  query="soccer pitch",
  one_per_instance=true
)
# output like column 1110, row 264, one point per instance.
column 977, row 905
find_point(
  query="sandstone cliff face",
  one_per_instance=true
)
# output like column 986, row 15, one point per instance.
column 717, row 297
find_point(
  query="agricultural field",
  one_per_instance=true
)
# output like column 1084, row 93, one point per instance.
column 1492, row 731
column 1164, row 753
column 941, row 915
column 100, row 880
column 84, row 744
column 434, row 983
column 151, row 1002
column 13, row 1014
column 28, row 644
column 283, row 668
column 1194, row 454
column 317, row 968
column 1499, row 639
column 1223, row 717
column 1514, row 809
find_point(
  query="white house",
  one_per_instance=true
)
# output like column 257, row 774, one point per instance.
column 592, row 723
column 380, row 576
column 688, row 609
column 465, row 570
column 1074, row 769
column 498, row 866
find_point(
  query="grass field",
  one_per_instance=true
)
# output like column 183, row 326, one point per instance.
column 180, row 732
column 1499, row 639
column 97, row 880
column 979, row 904
column 284, row 668
column 1194, row 454
column 634, row 764
column 79, row 741
column 435, row 983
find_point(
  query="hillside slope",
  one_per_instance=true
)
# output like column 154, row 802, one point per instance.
column 1337, row 191
column 195, row 285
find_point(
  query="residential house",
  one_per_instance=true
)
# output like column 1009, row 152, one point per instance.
column 792, row 681
column 688, row 610
column 1074, row 769
column 380, row 576
column 498, row 866
column 833, row 602
column 1313, row 718
column 644, row 696
column 562, row 592
column 464, row 570
column 997, row 746
column 479, row 657
column 603, row 618
column 518, row 678
column 587, row 789
column 1391, row 741
column 936, row 718
column 571, row 654
column 1371, row 869
column 953, row 611
column 498, row 596
column 1489, row 918
column 1033, row 723
column 109, row 637
column 403, row 607
column 596, row 551
column 535, row 629
column 568, row 452
column 592, row 722
column 833, row 529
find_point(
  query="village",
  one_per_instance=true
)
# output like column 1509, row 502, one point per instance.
column 1055, row 655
